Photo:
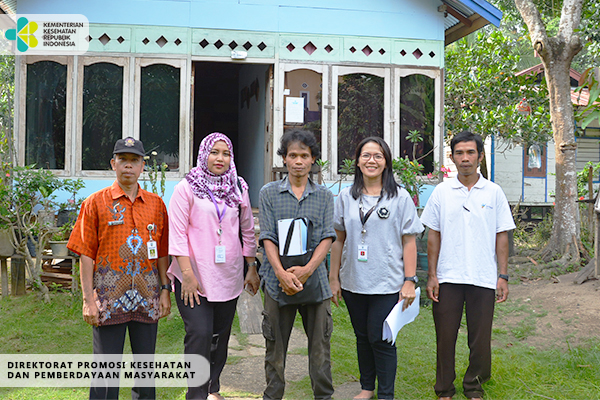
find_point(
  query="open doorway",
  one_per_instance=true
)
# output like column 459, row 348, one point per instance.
column 231, row 98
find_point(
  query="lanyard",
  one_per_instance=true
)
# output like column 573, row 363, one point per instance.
column 364, row 217
column 220, row 213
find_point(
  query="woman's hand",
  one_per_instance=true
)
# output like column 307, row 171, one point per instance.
column 336, row 289
column 252, row 280
column 190, row 289
column 407, row 294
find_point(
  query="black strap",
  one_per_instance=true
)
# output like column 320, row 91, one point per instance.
column 363, row 217
column 290, row 232
column 240, row 214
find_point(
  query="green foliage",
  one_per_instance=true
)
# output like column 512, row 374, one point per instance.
column 348, row 167
column 7, row 90
column 482, row 91
column 590, row 80
column 324, row 164
column 588, row 30
column 156, row 174
column 532, row 235
column 582, row 178
column 63, row 232
column 408, row 172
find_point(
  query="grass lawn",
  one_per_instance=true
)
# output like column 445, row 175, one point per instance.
column 29, row 326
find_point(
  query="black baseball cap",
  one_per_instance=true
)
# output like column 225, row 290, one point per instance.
column 129, row 145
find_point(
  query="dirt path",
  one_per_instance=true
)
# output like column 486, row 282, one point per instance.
column 551, row 313
column 540, row 313
column 245, row 371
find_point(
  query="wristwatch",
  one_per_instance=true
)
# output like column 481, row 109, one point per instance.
column 503, row 276
column 414, row 279
column 253, row 264
column 167, row 287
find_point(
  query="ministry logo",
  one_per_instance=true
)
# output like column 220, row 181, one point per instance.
column 45, row 34
column 23, row 34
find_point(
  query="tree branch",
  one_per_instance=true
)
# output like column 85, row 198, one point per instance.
column 569, row 19
column 533, row 19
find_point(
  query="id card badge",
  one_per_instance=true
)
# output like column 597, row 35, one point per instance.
column 152, row 250
column 219, row 254
column 363, row 252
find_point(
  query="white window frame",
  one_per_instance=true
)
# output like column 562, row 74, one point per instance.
column 338, row 70
column 438, row 138
column 127, row 105
column 278, row 117
column 24, row 61
column 184, row 142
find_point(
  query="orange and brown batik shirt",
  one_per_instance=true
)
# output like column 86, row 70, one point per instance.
column 115, row 232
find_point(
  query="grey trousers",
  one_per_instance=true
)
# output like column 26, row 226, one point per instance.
column 277, row 328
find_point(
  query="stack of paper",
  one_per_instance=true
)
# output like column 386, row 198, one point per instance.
column 398, row 318
column 298, row 242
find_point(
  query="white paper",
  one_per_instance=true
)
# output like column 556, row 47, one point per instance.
column 298, row 240
column 294, row 110
column 398, row 318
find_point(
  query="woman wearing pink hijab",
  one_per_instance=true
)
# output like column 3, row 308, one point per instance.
column 207, row 211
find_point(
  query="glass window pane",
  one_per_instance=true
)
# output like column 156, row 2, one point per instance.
column 102, row 114
column 159, row 113
column 307, row 84
column 417, row 112
column 360, row 111
column 45, row 115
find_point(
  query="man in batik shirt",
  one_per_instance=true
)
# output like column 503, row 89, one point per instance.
column 122, row 236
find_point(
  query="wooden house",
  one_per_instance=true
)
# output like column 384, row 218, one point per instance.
column 171, row 71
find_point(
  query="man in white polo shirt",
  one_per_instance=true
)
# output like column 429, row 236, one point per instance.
column 468, row 219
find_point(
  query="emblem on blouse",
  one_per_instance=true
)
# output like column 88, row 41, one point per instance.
column 383, row 213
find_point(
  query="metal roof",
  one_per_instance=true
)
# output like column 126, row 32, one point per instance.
column 8, row 6
column 465, row 16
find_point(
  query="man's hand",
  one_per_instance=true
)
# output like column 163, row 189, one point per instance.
column 433, row 288
column 336, row 289
column 289, row 282
column 252, row 279
column 164, row 305
column 90, row 311
column 302, row 273
column 501, row 290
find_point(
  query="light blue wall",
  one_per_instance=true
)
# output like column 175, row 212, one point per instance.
column 93, row 185
column 250, row 153
column 413, row 19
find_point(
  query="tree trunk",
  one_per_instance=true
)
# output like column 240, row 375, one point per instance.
column 565, row 227
column 557, row 53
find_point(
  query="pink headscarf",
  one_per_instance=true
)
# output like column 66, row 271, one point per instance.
column 223, row 187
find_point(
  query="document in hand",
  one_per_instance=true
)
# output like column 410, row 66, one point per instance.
column 398, row 318
column 298, row 243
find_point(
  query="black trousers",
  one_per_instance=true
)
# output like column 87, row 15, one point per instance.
column 447, row 315
column 207, row 331
column 110, row 340
column 377, row 358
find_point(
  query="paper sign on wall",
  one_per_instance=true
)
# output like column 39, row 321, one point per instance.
column 294, row 110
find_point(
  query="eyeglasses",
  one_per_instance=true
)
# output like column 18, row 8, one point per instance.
column 367, row 156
